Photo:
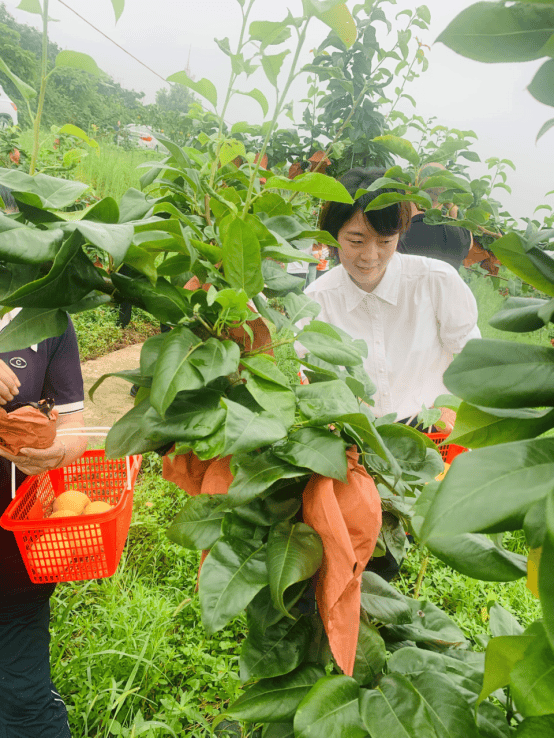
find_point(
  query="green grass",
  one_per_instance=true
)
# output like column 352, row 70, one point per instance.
column 113, row 170
column 98, row 333
column 129, row 653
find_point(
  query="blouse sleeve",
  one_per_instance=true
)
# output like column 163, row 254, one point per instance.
column 63, row 380
column 455, row 308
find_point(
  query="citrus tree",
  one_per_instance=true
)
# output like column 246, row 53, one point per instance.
column 205, row 241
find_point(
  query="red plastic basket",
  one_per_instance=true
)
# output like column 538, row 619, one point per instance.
column 447, row 451
column 76, row 547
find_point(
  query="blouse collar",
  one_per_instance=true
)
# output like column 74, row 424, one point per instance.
column 387, row 290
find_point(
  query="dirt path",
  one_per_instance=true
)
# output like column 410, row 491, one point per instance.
column 112, row 398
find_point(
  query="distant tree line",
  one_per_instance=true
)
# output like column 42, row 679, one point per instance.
column 74, row 96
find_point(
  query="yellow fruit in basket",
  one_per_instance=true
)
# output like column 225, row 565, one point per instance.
column 98, row 506
column 442, row 474
column 51, row 553
column 71, row 500
column 62, row 514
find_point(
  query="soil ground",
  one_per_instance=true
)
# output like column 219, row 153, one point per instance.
column 111, row 399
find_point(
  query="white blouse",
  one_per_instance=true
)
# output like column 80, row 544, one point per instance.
column 416, row 319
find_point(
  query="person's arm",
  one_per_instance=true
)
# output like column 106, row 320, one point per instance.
column 64, row 450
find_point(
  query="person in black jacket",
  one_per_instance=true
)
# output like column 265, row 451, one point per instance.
column 450, row 244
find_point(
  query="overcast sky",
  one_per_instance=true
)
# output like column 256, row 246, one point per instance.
column 491, row 99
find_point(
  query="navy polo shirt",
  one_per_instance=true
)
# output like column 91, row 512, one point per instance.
column 50, row 369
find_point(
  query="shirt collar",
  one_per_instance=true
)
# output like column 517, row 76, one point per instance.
column 7, row 318
column 386, row 290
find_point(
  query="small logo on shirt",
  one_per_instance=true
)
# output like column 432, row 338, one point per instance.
column 18, row 362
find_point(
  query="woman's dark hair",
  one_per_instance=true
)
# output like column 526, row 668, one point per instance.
column 394, row 219
column 7, row 197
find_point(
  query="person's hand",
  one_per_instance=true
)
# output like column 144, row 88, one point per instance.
column 448, row 417
column 9, row 383
column 37, row 461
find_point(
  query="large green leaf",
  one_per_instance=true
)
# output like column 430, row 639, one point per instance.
column 479, row 427
column 503, row 652
column 491, row 489
column 493, row 32
column 232, row 574
column 475, row 555
column 246, row 431
column 262, row 612
column 294, row 553
column 519, row 315
column 78, row 60
column 326, row 344
column 165, row 301
column 215, row 359
column 115, row 238
column 502, row 623
column 536, row 726
column 275, row 699
column 30, row 326
column 371, row 654
column 383, row 602
column 191, row 416
column 255, row 473
column 429, row 625
column 198, row 524
column 330, row 709
column 127, row 435
column 300, row 306
column 532, row 264
column 270, row 33
column 546, row 570
column 275, row 399
column 502, row 374
column 242, row 258
column 313, row 183
column 258, row 96
column 203, row 87
column 322, row 402
column 532, row 678
column 40, row 190
column 280, row 504
column 427, row 705
column 272, row 65
column 27, row 92
column 401, row 147
column 280, row 649
column 174, row 371
column 315, row 450
column 335, row 14
column 265, row 367
column 132, row 375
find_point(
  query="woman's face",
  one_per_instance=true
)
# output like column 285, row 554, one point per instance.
column 365, row 254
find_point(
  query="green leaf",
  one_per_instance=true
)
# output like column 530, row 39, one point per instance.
column 265, row 367
column 315, row 450
column 503, row 652
column 314, row 183
column 492, row 32
column 546, row 584
column 233, row 572
column 401, row 147
column 323, row 402
column 174, row 371
column 543, row 129
column 242, row 258
column 425, row 705
column 330, row 709
column 127, row 435
column 383, row 602
column 294, row 553
column 78, row 60
column 255, row 473
column 198, row 524
column 275, row 699
column 118, row 7
column 429, row 625
column 231, row 149
column 270, row 33
column 532, row 678
column 321, row 342
column 541, row 84
column 29, row 245
column 272, row 65
column 371, row 654
column 246, row 431
column 258, row 96
column 479, row 427
column 191, row 416
column 79, row 133
column 114, row 238
column 273, row 398
column 203, row 87
column 389, row 198
column 165, row 301
column 31, row 6
column 40, row 190
column 503, row 374
column 278, row 650
column 300, row 306
column 215, row 359
column 536, row 726
column 335, row 15
column 131, row 375
column 491, row 488
column 27, row 92
column 502, row 623
column 519, row 315
column 31, row 326
column 532, row 265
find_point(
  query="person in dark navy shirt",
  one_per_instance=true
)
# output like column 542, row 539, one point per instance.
column 29, row 703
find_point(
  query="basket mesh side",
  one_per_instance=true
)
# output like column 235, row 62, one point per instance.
column 98, row 477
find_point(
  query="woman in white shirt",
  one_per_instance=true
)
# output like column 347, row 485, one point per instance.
column 413, row 312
